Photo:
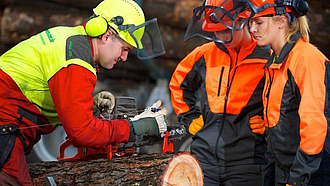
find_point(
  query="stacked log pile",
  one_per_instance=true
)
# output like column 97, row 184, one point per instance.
column 22, row 18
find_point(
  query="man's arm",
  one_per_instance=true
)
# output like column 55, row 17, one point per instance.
column 71, row 89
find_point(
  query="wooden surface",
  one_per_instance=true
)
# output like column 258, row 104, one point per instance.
column 183, row 170
column 145, row 169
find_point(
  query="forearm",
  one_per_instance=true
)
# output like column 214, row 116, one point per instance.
column 71, row 89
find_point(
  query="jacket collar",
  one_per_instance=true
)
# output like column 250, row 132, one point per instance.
column 284, row 52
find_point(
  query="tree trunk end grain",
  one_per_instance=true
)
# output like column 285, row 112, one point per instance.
column 182, row 170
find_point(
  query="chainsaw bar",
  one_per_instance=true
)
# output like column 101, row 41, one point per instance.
column 126, row 107
column 176, row 132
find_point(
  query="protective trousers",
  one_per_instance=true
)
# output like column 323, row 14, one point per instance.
column 242, row 175
column 18, row 131
column 321, row 177
column 13, row 161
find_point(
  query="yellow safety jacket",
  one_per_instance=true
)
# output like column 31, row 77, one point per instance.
column 33, row 62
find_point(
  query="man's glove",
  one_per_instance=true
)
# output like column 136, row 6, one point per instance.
column 257, row 124
column 196, row 125
column 151, row 121
column 103, row 101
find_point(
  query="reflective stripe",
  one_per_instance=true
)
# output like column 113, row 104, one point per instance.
column 34, row 119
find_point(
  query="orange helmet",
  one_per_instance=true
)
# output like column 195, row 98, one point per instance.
column 223, row 14
column 277, row 7
column 217, row 15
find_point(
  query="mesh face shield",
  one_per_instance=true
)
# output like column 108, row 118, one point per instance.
column 147, row 38
column 230, row 16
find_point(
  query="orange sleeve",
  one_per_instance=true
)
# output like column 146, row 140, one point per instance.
column 71, row 90
column 309, row 74
column 178, row 76
column 185, row 79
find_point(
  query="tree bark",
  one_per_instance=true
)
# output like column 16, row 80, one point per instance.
column 148, row 169
column 20, row 22
column 171, row 12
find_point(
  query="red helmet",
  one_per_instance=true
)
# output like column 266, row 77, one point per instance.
column 278, row 7
column 228, row 11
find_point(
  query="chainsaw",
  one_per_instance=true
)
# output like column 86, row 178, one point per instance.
column 125, row 108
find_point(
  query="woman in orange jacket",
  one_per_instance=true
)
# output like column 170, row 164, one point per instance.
column 295, row 96
column 228, row 75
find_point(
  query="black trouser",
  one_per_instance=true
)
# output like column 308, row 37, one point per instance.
column 322, row 175
column 242, row 175
column 7, row 141
column 320, row 178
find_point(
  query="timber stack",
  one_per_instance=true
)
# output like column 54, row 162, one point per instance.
column 22, row 18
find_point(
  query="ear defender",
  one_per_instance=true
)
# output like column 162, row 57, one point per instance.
column 97, row 26
column 300, row 7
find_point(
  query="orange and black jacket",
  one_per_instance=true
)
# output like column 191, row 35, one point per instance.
column 296, row 110
column 230, row 85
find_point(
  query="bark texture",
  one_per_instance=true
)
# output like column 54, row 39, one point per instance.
column 129, row 170
column 21, row 19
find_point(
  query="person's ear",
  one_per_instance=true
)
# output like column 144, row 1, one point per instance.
column 282, row 21
column 106, row 36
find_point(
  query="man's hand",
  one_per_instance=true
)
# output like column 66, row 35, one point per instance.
column 151, row 122
column 196, row 125
column 257, row 124
column 103, row 101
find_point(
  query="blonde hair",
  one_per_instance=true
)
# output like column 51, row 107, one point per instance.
column 299, row 25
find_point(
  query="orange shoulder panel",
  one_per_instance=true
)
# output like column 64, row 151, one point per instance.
column 178, row 76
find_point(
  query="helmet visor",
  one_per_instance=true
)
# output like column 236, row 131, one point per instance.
column 195, row 26
column 148, row 40
column 231, row 14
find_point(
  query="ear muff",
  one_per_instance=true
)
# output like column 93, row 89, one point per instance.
column 300, row 7
column 97, row 26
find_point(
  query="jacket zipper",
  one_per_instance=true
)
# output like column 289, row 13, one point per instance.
column 224, row 110
column 221, row 74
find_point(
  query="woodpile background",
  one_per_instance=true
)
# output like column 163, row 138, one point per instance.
column 22, row 18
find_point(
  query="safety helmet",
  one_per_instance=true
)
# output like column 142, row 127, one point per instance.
column 277, row 7
column 217, row 15
column 228, row 13
column 126, row 19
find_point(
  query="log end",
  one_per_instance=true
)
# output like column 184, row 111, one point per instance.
column 183, row 169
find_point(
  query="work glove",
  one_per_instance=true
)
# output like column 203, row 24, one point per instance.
column 257, row 124
column 151, row 121
column 196, row 125
column 103, row 101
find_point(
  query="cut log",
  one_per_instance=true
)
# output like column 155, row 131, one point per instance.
column 148, row 169
column 183, row 170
